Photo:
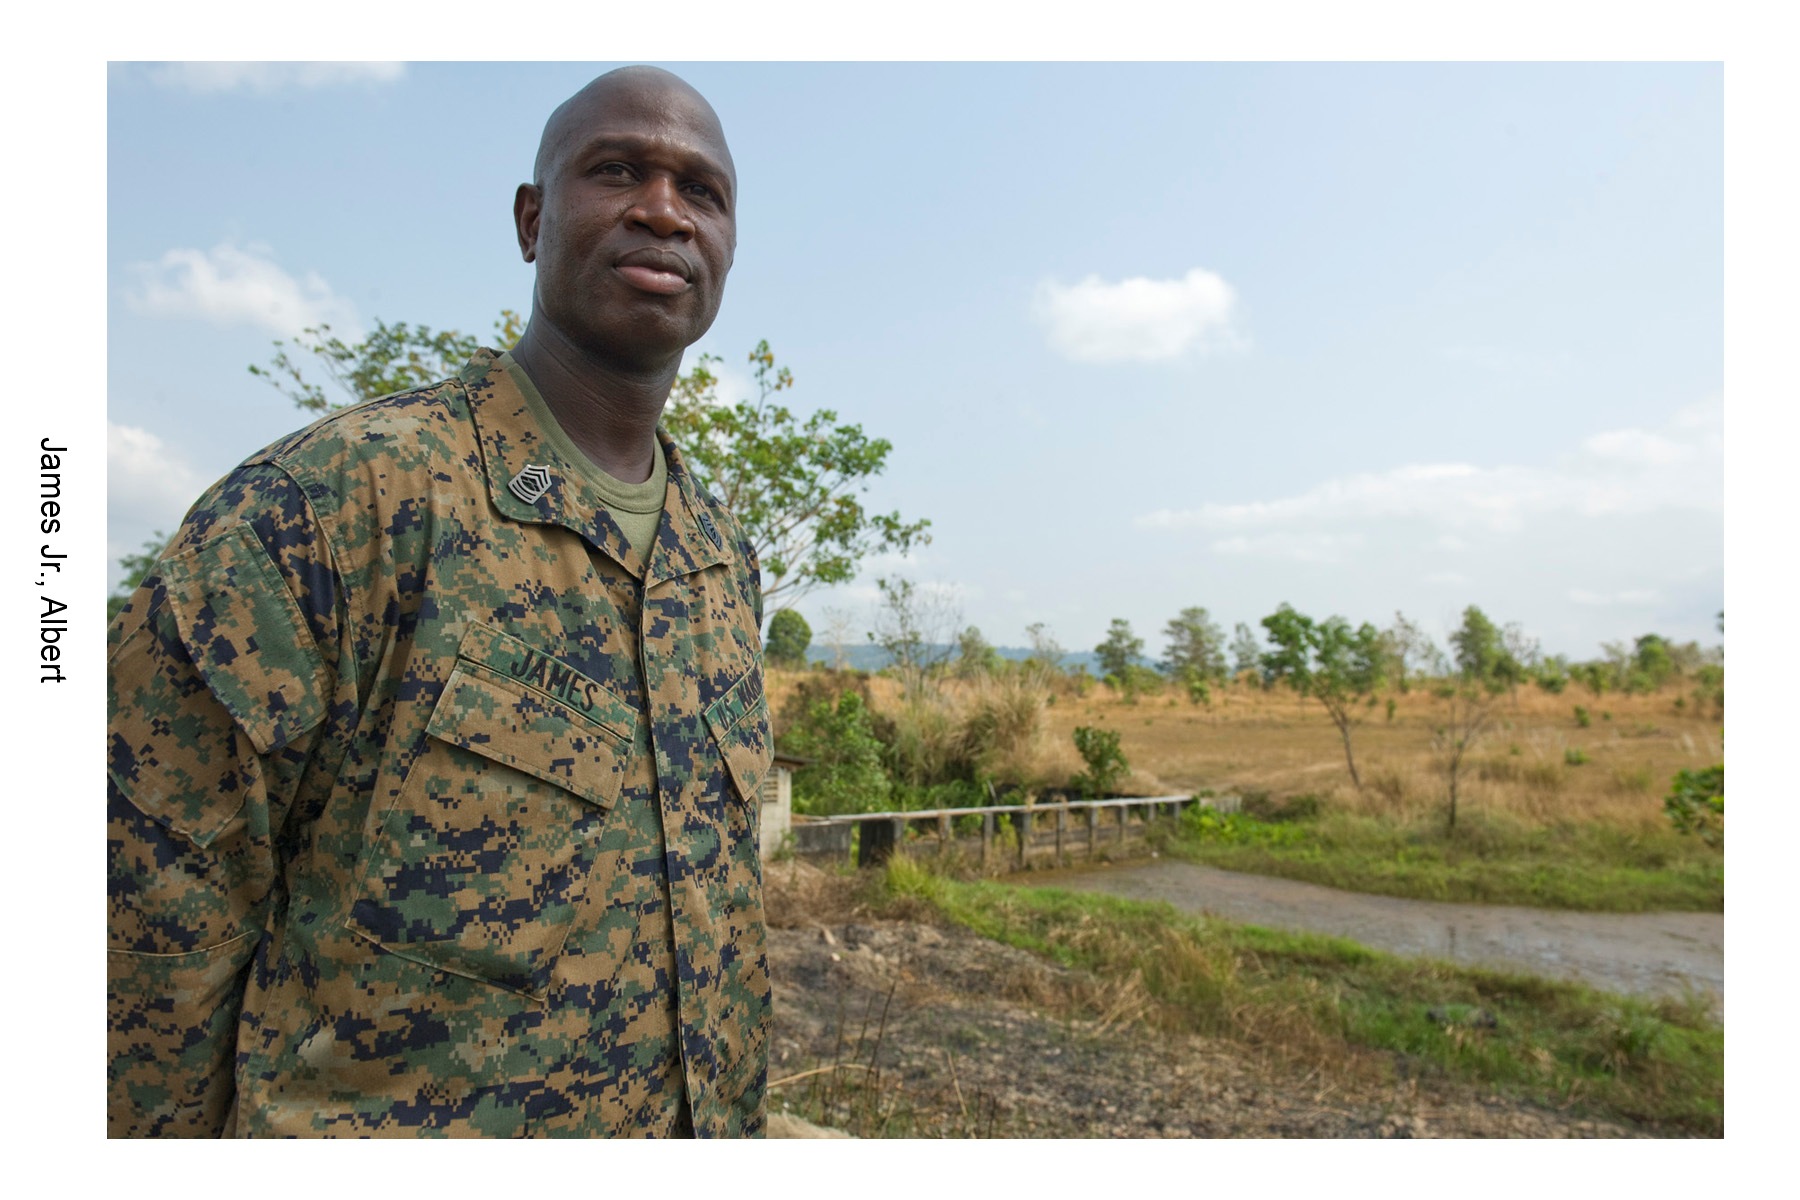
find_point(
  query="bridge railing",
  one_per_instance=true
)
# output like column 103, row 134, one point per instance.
column 1090, row 826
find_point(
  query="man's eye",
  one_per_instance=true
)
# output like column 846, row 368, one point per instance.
column 701, row 190
column 615, row 169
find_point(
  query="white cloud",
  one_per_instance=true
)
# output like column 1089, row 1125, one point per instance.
column 1447, row 578
column 1137, row 319
column 1294, row 546
column 1632, row 598
column 265, row 77
column 1638, row 446
column 148, row 484
column 1619, row 472
column 886, row 563
column 229, row 285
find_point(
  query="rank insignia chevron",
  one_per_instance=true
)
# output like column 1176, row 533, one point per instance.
column 530, row 483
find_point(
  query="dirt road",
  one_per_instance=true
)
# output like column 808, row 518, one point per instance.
column 1661, row 953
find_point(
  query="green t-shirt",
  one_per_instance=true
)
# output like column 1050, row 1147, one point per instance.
column 637, row 507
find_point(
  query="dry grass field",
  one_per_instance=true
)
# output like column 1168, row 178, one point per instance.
column 1249, row 740
column 1276, row 742
column 1550, row 812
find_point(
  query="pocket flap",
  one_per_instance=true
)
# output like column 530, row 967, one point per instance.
column 517, row 662
column 526, row 729
column 739, row 720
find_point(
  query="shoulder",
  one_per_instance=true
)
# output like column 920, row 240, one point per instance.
column 403, row 430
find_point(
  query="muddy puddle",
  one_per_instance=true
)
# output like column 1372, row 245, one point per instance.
column 1663, row 953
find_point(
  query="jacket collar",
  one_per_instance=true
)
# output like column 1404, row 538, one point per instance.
column 535, row 475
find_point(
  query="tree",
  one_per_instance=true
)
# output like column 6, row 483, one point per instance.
column 1338, row 666
column 838, row 625
column 391, row 359
column 916, row 627
column 134, row 568
column 1594, row 676
column 974, row 654
column 792, row 482
column 1652, row 663
column 1046, row 651
column 1479, row 648
column 789, row 636
column 1120, row 649
column 1485, row 668
column 1196, row 651
column 1409, row 653
column 1469, row 705
column 1246, row 651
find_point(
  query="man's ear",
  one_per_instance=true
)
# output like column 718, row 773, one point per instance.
column 528, row 206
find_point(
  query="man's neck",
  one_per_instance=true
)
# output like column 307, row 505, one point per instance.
column 609, row 412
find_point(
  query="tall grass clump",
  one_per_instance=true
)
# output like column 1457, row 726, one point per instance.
column 987, row 730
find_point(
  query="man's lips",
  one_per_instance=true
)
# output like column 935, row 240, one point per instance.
column 652, row 270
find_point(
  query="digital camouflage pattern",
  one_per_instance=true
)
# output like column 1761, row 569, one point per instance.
column 433, row 812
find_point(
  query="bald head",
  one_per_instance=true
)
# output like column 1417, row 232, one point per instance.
column 640, row 88
column 631, row 222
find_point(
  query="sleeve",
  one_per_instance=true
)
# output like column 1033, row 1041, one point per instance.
column 217, row 687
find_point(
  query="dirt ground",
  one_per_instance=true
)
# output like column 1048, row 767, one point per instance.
column 895, row 1028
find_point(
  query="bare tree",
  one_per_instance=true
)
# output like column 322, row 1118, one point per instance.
column 1470, row 706
column 1046, row 652
column 918, row 628
column 1410, row 653
column 839, row 624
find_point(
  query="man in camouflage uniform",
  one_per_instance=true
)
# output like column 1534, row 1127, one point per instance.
column 434, row 746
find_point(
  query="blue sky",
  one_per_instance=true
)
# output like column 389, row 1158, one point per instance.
column 1362, row 338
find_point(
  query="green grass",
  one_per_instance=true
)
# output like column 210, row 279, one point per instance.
column 1588, row 867
column 1316, row 999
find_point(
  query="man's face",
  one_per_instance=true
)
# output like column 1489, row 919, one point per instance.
column 635, row 225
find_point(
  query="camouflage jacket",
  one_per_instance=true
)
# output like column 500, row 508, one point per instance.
column 433, row 807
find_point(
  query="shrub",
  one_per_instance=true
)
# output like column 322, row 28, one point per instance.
column 1582, row 718
column 1241, row 829
column 1575, row 756
column 1106, row 765
column 844, row 774
column 1696, row 804
column 1260, row 807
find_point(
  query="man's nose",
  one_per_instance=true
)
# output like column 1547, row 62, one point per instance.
column 659, row 208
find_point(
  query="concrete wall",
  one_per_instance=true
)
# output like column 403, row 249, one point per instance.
column 777, row 808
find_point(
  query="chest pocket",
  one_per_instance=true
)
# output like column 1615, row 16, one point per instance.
column 481, row 862
column 739, row 721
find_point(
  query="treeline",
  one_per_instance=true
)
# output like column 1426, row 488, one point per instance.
column 1198, row 658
